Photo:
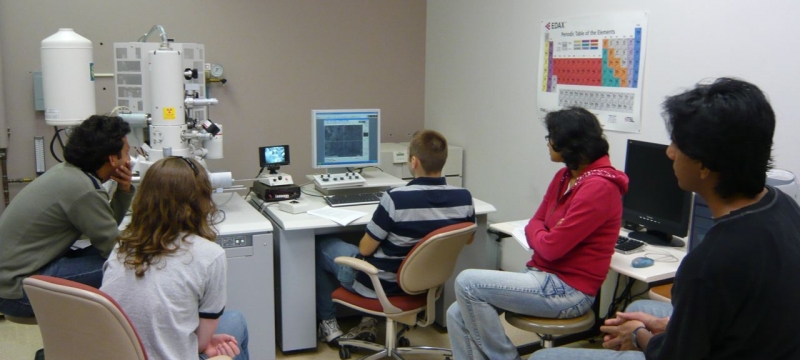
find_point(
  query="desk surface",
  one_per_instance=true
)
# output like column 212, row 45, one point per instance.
column 288, row 221
column 621, row 263
column 240, row 217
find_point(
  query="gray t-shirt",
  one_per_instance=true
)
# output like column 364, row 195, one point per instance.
column 166, row 304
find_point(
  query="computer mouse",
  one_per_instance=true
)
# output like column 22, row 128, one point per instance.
column 641, row 262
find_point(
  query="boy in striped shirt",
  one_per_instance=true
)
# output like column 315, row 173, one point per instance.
column 404, row 216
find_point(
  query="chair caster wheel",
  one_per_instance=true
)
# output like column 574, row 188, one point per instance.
column 344, row 352
column 403, row 342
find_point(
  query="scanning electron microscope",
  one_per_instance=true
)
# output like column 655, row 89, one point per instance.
column 160, row 91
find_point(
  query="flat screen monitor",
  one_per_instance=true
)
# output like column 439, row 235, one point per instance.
column 345, row 138
column 654, row 200
column 702, row 221
column 272, row 157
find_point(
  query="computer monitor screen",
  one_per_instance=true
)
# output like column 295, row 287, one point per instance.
column 345, row 138
column 273, row 156
column 702, row 221
column 654, row 200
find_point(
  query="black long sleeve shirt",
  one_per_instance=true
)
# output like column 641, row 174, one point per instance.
column 736, row 295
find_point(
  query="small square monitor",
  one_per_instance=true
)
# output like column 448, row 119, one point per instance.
column 272, row 157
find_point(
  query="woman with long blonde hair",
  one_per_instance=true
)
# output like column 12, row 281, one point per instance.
column 167, row 272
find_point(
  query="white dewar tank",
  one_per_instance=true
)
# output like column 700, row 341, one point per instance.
column 67, row 78
column 166, row 77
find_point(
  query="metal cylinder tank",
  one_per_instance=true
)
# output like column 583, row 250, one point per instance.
column 67, row 78
column 166, row 86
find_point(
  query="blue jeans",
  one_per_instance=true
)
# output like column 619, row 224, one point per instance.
column 330, row 275
column 655, row 308
column 473, row 324
column 233, row 323
column 82, row 265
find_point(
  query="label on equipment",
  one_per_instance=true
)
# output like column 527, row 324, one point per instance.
column 169, row 113
column 52, row 114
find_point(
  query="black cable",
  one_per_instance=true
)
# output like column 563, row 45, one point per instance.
column 53, row 142
column 309, row 194
column 641, row 293
column 613, row 305
column 61, row 142
column 361, row 169
column 251, row 188
column 214, row 217
column 626, row 294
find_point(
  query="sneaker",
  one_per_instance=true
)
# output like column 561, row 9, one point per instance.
column 367, row 330
column 329, row 330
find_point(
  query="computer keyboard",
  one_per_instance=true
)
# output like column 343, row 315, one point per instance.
column 626, row 245
column 353, row 199
column 342, row 180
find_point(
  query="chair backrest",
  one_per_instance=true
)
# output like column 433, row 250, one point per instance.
column 80, row 322
column 432, row 260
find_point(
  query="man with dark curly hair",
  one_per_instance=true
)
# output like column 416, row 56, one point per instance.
column 40, row 225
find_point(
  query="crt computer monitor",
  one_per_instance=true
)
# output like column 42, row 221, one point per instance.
column 345, row 138
column 654, row 199
column 272, row 157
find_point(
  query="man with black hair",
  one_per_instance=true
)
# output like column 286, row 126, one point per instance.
column 735, row 294
column 40, row 225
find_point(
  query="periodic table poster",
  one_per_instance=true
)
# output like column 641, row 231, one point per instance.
column 595, row 62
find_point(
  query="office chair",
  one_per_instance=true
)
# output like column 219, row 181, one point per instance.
column 661, row 293
column 422, row 275
column 78, row 321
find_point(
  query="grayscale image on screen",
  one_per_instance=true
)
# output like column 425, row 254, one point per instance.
column 274, row 155
column 344, row 140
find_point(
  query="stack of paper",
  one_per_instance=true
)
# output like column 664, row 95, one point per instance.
column 340, row 216
column 518, row 233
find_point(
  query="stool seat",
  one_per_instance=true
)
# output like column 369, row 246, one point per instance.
column 21, row 320
column 551, row 326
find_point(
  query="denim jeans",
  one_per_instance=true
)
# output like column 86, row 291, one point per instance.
column 655, row 308
column 233, row 323
column 82, row 265
column 473, row 324
column 329, row 274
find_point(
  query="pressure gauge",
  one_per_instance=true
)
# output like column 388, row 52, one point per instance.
column 216, row 70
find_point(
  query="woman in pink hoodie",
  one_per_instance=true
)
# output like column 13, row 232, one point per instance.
column 572, row 235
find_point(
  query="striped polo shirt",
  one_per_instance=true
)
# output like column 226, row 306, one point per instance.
column 405, row 215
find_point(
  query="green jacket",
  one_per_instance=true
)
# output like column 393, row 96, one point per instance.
column 43, row 221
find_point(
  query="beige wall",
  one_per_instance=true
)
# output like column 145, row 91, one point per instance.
column 282, row 58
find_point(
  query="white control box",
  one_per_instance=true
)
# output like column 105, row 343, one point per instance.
column 341, row 180
column 298, row 206
column 277, row 179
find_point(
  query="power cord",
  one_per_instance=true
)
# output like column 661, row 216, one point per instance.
column 662, row 257
column 57, row 135
column 251, row 188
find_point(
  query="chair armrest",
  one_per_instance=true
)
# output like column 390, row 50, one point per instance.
column 357, row 264
column 372, row 272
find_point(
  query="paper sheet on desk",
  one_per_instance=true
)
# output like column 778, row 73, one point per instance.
column 519, row 235
column 340, row 216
